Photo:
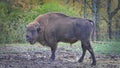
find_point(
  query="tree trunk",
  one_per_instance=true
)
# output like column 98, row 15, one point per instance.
column 110, row 16
column 41, row 2
column 109, row 19
column 116, row 30
column 96, row 13
column 73, row 4
column 97, row 18
column 93, row 17
column 109, row 27
column 85, row 9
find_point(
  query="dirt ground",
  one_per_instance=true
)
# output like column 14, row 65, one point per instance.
column 65, row 58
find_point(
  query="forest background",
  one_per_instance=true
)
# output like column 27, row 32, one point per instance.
column 15, row 14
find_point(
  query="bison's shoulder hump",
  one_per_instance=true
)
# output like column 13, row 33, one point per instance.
column 59, row 14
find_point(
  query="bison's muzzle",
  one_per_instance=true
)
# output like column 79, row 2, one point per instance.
column 30, row 40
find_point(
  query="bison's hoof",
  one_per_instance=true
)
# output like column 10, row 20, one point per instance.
column 93, row 64
column 51, row 60
column 80, row 61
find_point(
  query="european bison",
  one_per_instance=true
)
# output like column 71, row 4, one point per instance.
column 51, row 28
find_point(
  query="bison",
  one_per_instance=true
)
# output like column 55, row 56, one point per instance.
column 50, row 28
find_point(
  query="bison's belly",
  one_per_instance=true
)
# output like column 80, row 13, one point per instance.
column 69, row 38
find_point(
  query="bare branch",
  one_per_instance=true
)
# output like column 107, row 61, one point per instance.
column 90, row 7
column 115, row 10
column 104, row 18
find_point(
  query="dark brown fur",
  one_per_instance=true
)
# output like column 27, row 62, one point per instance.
column 52, row 28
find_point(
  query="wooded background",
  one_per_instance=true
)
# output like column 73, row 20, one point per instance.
column 15, row 14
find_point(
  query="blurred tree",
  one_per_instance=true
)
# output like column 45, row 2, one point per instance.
column 111, row 15
column 93, row 17
column 117, row 27
column 85, row 8
column 96, row 17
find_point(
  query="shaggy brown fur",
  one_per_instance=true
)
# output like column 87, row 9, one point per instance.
column 51, row 28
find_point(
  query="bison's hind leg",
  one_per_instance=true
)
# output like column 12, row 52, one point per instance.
column 83, row 52
column 87, row 46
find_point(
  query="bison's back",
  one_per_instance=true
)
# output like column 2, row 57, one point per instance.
column 67, row 29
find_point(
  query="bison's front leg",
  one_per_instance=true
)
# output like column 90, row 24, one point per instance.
column 53, row 50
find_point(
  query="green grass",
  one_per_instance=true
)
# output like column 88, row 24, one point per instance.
column 99, row 47
column 107, row 47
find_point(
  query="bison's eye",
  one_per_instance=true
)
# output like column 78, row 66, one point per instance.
column 33, row 32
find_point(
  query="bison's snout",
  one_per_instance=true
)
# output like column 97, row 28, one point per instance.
column 29, row 39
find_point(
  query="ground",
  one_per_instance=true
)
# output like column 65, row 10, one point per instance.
column 66, row 57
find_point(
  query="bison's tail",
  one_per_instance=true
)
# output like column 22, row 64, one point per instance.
column 93, row 30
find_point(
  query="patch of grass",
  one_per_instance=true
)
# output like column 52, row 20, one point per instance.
column 107, row 47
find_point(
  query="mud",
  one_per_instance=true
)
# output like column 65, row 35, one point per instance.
column 65, row 58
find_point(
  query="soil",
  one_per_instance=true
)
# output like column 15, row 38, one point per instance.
column 66, row 57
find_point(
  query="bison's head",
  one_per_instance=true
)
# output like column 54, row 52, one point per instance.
column 32, row 32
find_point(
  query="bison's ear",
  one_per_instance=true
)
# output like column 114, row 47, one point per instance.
column 38, row 29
